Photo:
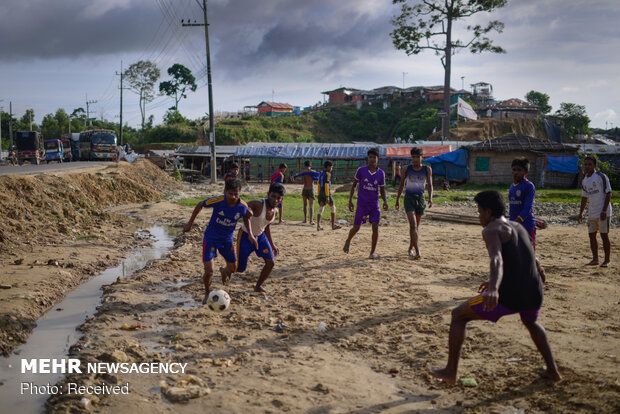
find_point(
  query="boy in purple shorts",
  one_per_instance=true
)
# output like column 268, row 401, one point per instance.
column 371, row 179
column 218, row 237
column 514, row 286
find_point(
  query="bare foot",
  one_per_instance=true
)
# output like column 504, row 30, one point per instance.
column 444, row 375
column 312, row 222
column 336, row 227
column 319, row 228
column 304, row 222
column 259, row 289
column 594, row 262
column 204, row 301
column 553, row 375
column 411, row 253
column 225, row 276
column 374, row 256
column 605, row 263
column 347, row 244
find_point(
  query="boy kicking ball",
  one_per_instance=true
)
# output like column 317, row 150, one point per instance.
column 218, row 237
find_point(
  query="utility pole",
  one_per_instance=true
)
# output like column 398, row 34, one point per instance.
column 462, row 82
column 210, row 87
column 121, row 113
column 11, row 122
column 404, row 73
column 1, row 109
column 88, row 110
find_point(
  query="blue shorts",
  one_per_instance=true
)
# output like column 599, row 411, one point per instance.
column 226, row 249
column 245, row 248
column 498, row 311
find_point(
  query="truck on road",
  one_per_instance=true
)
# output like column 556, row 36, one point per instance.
column 29, row 147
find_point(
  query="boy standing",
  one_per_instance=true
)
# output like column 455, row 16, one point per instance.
column 233, row 173
column 218, row 237
column 278, row 177
column 309, row 177
column 263, row 214
column 514, row 286
column 417, row 177
column 596, row 191
column 325, row 195
column 372, row 182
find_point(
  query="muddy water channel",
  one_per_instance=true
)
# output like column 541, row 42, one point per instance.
column 56, row 331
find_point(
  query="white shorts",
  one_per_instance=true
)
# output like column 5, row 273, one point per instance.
column 596, row 224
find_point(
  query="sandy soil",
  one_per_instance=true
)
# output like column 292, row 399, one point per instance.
column 387, row 323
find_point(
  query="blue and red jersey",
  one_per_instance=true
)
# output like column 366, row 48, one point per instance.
column 277, row 177
column 223, row 219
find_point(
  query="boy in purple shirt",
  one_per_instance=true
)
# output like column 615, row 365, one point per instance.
column 371, row 179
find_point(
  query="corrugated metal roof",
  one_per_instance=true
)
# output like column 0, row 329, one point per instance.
column 205, row 150
column 516, row 142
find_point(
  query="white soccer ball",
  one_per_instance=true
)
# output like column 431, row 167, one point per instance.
column 218, row 300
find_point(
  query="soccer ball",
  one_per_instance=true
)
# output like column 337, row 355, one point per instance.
column 218, row 300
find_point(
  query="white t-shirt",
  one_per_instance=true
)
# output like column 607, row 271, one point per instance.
column 596, row 187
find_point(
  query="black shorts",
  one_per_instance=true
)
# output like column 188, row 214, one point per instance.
column 325, row 199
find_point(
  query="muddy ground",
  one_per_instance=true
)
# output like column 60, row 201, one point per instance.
column 387, row 323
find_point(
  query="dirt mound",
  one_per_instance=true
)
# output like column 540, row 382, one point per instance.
column 485, row 129
column 51, row 204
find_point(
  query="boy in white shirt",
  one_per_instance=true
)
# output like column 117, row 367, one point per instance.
column 596, row 191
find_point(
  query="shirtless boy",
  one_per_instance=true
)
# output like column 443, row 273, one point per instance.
column 309, row 177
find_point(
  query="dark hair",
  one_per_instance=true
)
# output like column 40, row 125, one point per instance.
column 277, row 188
column 234, row 165
column 416, row 151
column 307, row 163
column 373, row 151
column 232, row 184
column 521, row 162
column 491, row 200
column 283, row 165
column 327, row 164
column 591, row 158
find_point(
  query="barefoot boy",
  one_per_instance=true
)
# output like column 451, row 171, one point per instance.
column 513, row 287
column 372, row 182
column 218, row 237
column 325, row 195
column 417, row 177
column 263, row 214
column 278, row 177
column 596, row 190
column 309, row 177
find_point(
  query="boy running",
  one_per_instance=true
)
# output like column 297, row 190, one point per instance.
column 372, row 182
column 263, row 214
column 513, row 287
column 417, row 177
column 596, row 191
column 309, row 177
column 325, row 195
column 227, row 210
column 278, row 177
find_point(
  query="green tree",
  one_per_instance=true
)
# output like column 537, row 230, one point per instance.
column 182, row 80
column 539, row 99
column 428, row 24
column 141, row 77
column 50, row 128
column 27, row 119
column 576, row 120
column 172, row 116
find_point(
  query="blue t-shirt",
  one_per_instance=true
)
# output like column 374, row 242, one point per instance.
column 416, row 180
column 325, row 184
column 223, row 219
column 314, row 174
column 521, row 200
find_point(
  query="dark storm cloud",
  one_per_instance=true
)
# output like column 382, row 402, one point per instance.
column 245, row 34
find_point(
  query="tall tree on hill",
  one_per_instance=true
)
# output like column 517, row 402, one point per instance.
column 576, row 120
column 539, row 99
column 141, row 77
column 182, row 80
column 428, row 24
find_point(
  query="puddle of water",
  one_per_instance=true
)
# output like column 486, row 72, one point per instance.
column 56, row 330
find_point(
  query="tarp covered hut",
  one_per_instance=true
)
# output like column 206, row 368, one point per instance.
column 490, row 161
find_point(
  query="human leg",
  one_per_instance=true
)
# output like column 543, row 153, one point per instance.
column 461, row 315
column 333, row 208
column 413, row 234
column 311, row 208
column 319, row 214
column 305, row 200
column 264, row 274
column 593, row 248
column 352, row 233
column 375, row 238
column 537, row 332
column 227, row 250
column 209, row 268
column 606, row 249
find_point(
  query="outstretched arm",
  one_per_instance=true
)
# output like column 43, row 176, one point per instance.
column 190, row 223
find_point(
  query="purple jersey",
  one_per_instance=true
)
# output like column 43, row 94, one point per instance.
column 369, row 184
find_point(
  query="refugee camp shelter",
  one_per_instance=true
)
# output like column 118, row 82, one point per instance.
column 198, row 158
column 551, row 164
column 450, row 165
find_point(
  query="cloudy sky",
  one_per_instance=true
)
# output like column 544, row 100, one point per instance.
column 61, row 53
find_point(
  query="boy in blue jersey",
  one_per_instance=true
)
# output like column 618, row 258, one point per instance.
column 309, row 177
column 325, row 195
column 521, row 202
column 417, row 178
column 227, row 210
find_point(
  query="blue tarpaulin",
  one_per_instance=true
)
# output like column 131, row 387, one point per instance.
column 452, row 165
column 562, row 163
